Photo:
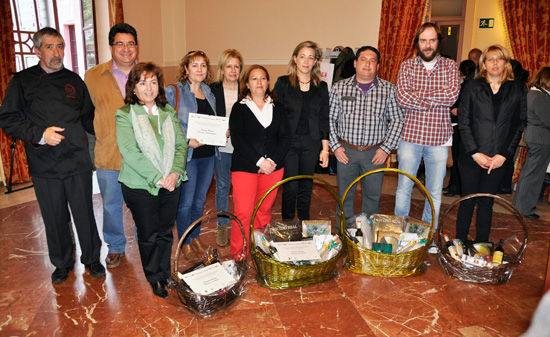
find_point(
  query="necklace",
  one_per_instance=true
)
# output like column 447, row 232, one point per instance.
column 304, row 85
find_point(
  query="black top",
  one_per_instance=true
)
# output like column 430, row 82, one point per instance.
column 204, row 151
column 318, row 109
column 36, row 100
column 252, row 141
column 303, row 121
column 481, row 129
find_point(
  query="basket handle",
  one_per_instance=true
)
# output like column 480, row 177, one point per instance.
column 196, row 222
column 497, row 198
column 331, row 189
column 387, row 169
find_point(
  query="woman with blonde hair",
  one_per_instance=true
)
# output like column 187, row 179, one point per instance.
column 194, row 96
column 304, row 98
column 491, row 116
column 225, row 91
column 537, row 137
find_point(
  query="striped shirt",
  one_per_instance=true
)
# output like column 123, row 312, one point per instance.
column 427, row 98
column 365, row 119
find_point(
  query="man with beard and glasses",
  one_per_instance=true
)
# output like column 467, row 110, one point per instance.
column 49, row 108
column 427, row 87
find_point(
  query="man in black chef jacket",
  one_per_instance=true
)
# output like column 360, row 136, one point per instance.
column 49, row 108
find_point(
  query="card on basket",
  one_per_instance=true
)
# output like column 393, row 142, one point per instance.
column 209, row 279
column 297, row 251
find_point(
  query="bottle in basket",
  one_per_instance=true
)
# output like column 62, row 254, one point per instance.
column 451, row 247
column 359, row 234
column 499, row 253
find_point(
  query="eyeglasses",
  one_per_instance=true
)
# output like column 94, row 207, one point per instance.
column 130, row 44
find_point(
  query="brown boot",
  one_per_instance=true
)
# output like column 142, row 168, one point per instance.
column 198, row 245
column 189, row 253
column 221, row 239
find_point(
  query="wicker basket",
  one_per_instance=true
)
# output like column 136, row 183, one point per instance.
column 274, row 274
column 203, row 305
column 469, row 273
column 365, row 261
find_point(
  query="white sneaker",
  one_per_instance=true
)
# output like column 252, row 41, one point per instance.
column 433, row 249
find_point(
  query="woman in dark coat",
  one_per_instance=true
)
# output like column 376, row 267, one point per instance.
column 305, row 100
column 491, row 117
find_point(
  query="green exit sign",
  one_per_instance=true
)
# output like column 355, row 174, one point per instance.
column 487, row 23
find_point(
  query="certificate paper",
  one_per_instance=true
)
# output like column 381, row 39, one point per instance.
column 297, row 251
column 209, row 130
column 209, row 279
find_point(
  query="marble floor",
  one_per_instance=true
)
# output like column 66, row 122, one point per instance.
column 122, row 303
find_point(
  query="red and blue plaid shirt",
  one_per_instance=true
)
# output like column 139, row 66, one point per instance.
column 426, row 96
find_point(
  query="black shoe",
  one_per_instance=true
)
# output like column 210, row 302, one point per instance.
column 60, row 275
column 159, row 290
column 446, row 189
column 450, row 194
column 533, row 216
column 96, row 269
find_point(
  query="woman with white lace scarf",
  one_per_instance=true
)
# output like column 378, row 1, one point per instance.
column 154, row 151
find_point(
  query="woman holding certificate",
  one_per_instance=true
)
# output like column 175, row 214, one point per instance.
column 192, row 95
column 226, row 91
column 154, row 150
column 261, row 137
column 305, row 100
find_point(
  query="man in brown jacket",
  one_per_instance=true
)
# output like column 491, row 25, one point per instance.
column 106, row 83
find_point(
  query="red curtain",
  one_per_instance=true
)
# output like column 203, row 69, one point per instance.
column 7, row 65
column 527, row 25
column 115, row 11
column 399, row 21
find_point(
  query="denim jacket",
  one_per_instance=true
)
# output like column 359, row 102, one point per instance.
column 188, row 104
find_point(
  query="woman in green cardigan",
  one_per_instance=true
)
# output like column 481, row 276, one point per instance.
column 154, row 151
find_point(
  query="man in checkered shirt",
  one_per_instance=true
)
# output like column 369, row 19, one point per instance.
column 427, row 86
column 365, row 125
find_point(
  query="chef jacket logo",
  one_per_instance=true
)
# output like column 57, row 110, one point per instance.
column 70, row 90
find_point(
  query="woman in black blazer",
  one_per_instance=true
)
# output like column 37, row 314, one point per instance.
column 491, row 117
column 226, row 91
column 305, row 100
column 261, row 137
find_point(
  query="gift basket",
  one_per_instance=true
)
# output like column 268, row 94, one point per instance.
column 481, row 262
column 274, row 274
column 201, row 303
column 405, row 255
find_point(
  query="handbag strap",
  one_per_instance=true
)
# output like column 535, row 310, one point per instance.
column 177, row 91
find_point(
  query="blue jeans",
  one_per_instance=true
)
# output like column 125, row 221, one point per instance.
column 111, row 193
column 435, row 161
column 360, row 162
column 193, row 195
column 222, row 169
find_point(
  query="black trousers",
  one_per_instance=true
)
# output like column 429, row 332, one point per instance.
column 476, row 180
column 301, row 159
column 52, row 196
column 154, row 217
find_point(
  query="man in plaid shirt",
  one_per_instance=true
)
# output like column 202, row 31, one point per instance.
column 427, row 86
column 365, row 125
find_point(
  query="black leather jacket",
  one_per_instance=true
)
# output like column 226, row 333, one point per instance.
column 479, row 130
